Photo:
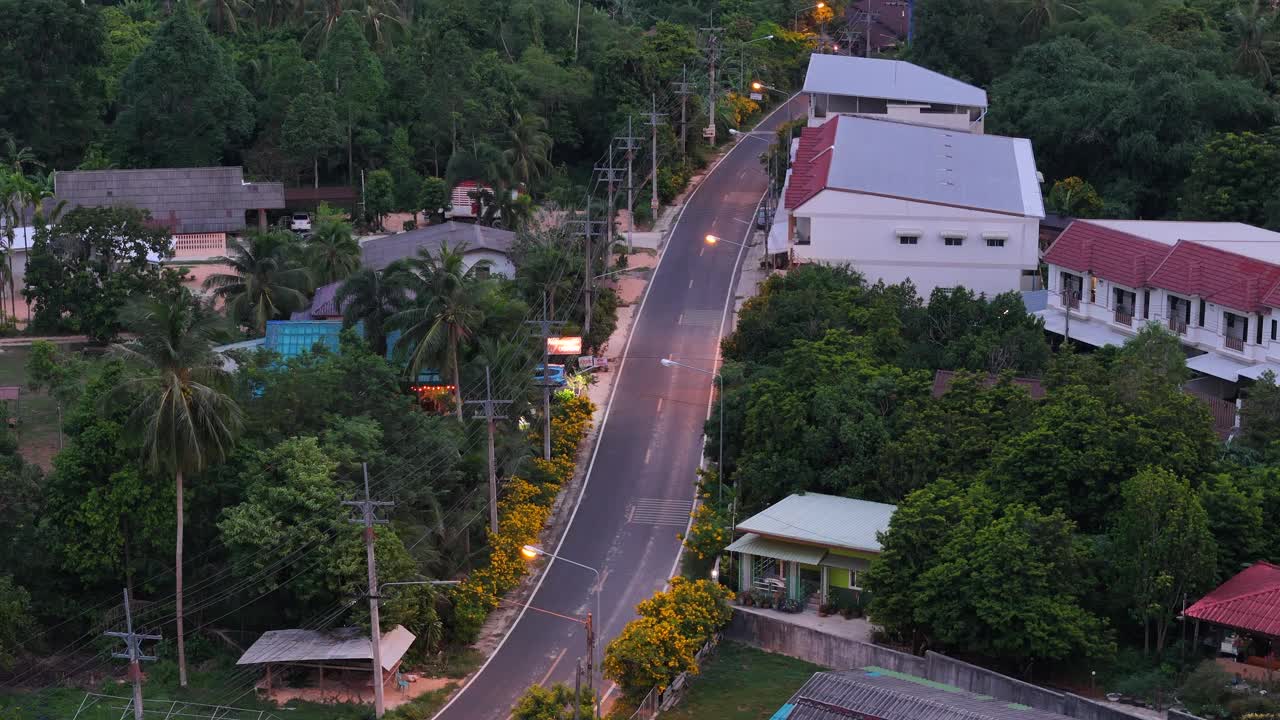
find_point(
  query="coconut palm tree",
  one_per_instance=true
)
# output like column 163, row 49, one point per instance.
column 1253, row 25
column 1044, row 13
column 332, row 252
column 371, row 297
column 184, row 418
column 266, row 280
column 528, row 151
column 448, row 302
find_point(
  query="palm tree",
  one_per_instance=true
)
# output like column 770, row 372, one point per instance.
column 1044, row 13
column 381, row 20
column 266, row 281
column 332, row 252
column 448, row 301
column 371, row 297
column 528, row 152
column 546, row 263
column 184, row 419
column 224, row 14
column 1253, row 25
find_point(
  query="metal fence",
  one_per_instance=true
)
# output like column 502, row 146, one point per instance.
column 658, row 700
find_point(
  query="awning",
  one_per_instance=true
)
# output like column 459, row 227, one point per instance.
column 1254, row 372
column 1085, row 331
column 845, row 563
column 753, row 544
column 1218, row 366
column 778, row 233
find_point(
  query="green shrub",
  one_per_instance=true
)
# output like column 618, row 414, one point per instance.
column 1206, row 689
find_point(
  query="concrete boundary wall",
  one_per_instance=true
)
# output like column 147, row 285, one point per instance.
column 841, row 653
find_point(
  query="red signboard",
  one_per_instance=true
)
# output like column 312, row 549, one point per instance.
column 564, row 345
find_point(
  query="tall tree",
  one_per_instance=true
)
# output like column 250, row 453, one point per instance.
column 354, row 74
column 51, row 93
column 448, row 307
column 266, row 281
column 184, row 419
column 1253, row 24
column 332, row 251
column 407, row 180
column 1234, row 177
column 371, row 297
column 311, row 127
column 180, row 102
column 380, row 195
column 528, row 151
column 1164, row 551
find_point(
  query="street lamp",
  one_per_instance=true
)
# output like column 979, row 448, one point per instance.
column 796, row 22
column 742, row 58
column 669, row 363
column 757, row 85
column 533, row 551
column 713, row 240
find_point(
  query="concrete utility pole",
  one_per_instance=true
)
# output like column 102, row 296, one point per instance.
column 545, row 326
column 490, row 413
column 682, row 89
column 577, row 688
column 611, row 176
column 654, row 121
column 628, row 145
column 133, row 653
column 713, row 52
column 368, row 518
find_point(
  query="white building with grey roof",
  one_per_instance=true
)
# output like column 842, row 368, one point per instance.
column 839, row 85
column 900, row 202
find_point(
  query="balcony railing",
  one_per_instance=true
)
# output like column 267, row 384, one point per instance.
column 1178, row 326
column 1124, row 318
column 1071, row 300
column 1235, row 343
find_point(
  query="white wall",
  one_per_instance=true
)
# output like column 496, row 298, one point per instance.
column 499, row 264
column 862, row 230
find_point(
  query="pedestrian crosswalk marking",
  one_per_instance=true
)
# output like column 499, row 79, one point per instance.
column 660, row 511
column 701, row 317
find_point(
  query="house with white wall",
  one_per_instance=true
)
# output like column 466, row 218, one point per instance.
column 900, row 202
column 1214, row 284
column 839, row 85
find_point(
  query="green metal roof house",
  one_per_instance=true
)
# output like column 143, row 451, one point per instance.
column 809, row 544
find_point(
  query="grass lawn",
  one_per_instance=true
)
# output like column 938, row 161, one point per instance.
column 37, row 413
column 742, row 683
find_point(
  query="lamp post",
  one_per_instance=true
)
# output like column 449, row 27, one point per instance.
column 532, row 551
column 742, row 58
column 710, row 240
column 795, row 26
column 757, row 85
column 668, row 363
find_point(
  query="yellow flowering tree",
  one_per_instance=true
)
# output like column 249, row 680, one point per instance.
column 648, row 653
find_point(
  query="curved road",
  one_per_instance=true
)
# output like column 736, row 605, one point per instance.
column 639, row 488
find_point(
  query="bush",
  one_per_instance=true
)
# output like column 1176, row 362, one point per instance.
column 1206, row 689
column 553, row 703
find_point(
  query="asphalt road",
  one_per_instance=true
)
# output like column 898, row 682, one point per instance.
column 640, row 484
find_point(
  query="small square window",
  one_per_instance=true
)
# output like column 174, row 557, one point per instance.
column 995, row 242
column 953, row 240
column 908, row 239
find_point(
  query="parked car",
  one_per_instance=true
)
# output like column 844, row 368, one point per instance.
column 301, row 222
column 762, row 217
column 552, row 373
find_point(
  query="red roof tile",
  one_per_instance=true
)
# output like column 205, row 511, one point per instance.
column 1109, row 254
column 1249, row 601
column 812, row 163
column 1216, row 275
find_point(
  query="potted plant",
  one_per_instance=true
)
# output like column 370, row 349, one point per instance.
column 825, row 609
column 747, row 599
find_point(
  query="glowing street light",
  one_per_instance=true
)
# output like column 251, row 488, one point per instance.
column 715, row 239
column 533, row 551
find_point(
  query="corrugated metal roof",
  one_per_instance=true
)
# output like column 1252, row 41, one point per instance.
column 1249, row 601
column 10, row 392
column 294, row 646
column 888, row 695
column 913, row 162
column 825, row 520
column 755, row 545
column 324, row 304
column 383, row 251
column 889, row 80
column 185, row 200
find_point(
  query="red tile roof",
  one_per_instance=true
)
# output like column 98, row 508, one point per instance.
column 1249, row 601
column 1216, row 275
column 812, row 163
column 1109, row 254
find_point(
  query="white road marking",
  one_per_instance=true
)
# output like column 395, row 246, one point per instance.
column 659, row 407
column 647, row 454
column 690, row 283
column 704, row 249
column 552, row 669
column 660, row 511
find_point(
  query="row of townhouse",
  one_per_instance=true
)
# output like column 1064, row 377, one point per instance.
column 894, row 176
column 1215, row 284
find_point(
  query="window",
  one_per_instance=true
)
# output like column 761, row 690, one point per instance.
column 1146, row 304
column 995, row 242
column 908, row 239
column 1273, row 329
column 1258, row 339
column 1201, row 323
column 482, row 270
column 952, row 240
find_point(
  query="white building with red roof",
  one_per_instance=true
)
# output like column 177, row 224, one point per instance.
column 1215, row 284
column 941, row 208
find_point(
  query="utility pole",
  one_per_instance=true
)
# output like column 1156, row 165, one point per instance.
column 654, row 121
column 544, row 329
column 368, row 518
column 612, row 176
column 713, row 52
column 591, row 653
column 629, row 145
column 133, row 653
column 866, row 37
column 490, row 413
column 577, row 688
column 682, row 89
